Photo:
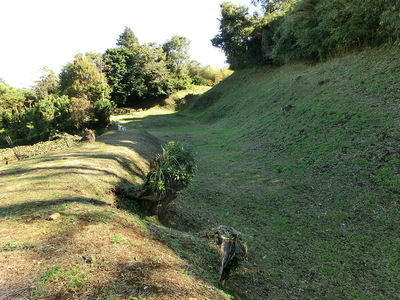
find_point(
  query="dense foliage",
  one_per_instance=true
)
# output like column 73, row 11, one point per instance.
column 235, row 36
column 13, row 97
column 53, row 114
column 84, row 77
column 139, row 73
column 304, row 30
column 88, row 89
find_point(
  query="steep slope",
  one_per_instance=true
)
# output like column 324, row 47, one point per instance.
column 304, row 160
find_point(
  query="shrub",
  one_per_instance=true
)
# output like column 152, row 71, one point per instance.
column 169, row 174
column 199, row 80
column 102, row 110
column 40, row 118
column 78, row 114
column 174, row 170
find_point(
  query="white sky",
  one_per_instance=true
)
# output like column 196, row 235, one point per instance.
column 38, row 33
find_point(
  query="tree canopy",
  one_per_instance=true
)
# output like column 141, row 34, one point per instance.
column 87, row 90
column 304, row 30
column 47, row 84
column 128, row 39
column 140, row 73
column 84, row 77
column 236, row 34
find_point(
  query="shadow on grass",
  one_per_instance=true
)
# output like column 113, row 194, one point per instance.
column 127, row 204
column 153, row 122
column 62, row 170
column 25, row 178
column 136, row 268
column 195, row 249
column 16, row 209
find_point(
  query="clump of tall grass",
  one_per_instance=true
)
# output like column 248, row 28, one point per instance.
column 170, row 172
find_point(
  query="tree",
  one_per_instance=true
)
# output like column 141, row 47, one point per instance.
column 119, row 72
column 237, row 35
column 128, row 39
column 177, row 52
column 139, row 73
column 273, row 6
column 47, row 84
column 390, row 21
column 11, row 97
column 39, row 119
column 83, row 78
column 158, row 79
column 102, row 111
column 177, row 57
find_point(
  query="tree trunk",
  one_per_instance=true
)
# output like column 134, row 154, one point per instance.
column 232, row 250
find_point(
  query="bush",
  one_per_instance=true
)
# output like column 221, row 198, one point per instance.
column 309, row 31
column 169, row 174
column 46, row 117
column 174, row 170
column 40, row 118
column 199, row 80
column 79, row 113
column 102, row 111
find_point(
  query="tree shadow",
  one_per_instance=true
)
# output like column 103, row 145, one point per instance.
column 138, row 266
column 16, row 209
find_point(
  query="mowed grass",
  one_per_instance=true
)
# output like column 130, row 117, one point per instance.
column 97, row 248
column 315, row 190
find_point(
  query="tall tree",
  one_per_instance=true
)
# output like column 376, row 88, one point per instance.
column 47, row 84
column 273, row 6
column 128, row 39
column 177, row 58
column 236, row 34
column 118, row 68
column 83, row 78
column 177, row 52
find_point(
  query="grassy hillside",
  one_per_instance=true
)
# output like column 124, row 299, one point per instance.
column 97, row 248
column 315, row 189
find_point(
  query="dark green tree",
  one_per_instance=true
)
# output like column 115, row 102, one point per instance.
column 273, row 6
column 140, row 73
column 119, row 68
column 237, row 35
column 128, row 39
column 304, row 30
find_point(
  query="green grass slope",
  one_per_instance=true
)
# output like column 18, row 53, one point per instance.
column 315, row 190
column 97, row 248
